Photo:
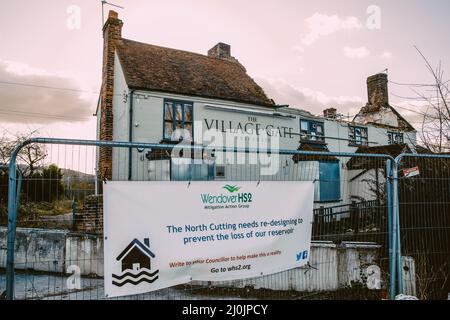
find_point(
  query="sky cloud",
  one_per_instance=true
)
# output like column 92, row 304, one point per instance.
column 28, row 94
column 320, row 25
column 413, row 111
column 386, row 55
column 319, row 29
column 308, row 99
column 356, row 53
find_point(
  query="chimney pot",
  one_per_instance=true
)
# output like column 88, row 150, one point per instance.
column 113, row 14
column 147, row 242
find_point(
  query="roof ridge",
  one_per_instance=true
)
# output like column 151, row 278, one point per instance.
column 180, row 50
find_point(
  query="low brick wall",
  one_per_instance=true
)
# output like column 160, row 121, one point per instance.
column 89, row 219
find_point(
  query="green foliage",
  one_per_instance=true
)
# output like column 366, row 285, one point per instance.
column 3, row 186
column 44, row 185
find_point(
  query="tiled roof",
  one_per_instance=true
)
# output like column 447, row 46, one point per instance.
column 155, row 68
column 391, row 149
column 356, row 163
column 314, row 148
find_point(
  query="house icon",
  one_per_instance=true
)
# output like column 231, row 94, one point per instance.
column 136, row 255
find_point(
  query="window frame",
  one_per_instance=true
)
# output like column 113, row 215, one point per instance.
column 174, row 122
column 352, row 141
column 218, row 177
column 391, row 134
column 319, row 139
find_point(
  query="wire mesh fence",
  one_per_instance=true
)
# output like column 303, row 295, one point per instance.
column 424, row 206
column 59, row 239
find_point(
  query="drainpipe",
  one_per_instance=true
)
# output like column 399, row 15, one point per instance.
column 130, row 135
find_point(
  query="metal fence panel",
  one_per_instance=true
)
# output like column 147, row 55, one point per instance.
column 424, row 221
column 59, row 240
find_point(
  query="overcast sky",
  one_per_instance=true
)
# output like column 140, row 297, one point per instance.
column 308, row 54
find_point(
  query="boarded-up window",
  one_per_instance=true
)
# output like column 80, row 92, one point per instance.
column 330, row 182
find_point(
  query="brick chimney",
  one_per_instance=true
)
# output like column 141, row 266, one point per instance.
column 377, row 89
column 220, row 50
column 223, row 51
column 330, row 113
column 112, row 31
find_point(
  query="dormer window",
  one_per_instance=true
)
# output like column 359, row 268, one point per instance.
column 312, row 131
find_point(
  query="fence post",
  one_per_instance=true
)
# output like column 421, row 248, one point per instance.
column 393, row 262
column 390, row 228
column 19, row 189
column 396, row 235
column 396, row 227
column 2, row 166
column 11, row 234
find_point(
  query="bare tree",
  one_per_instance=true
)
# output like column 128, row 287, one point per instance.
column 435, row 126
column 29, row 158
column 6, row 147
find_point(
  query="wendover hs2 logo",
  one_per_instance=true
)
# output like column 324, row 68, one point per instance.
column 234, row 197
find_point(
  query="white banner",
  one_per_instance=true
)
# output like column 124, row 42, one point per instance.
column 161, row 234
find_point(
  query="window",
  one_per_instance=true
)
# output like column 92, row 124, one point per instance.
column 395, row 137
column 330, row 181
column 186, row 169
column 312, row 131
column 220, row 172
column 358, row 136
column 177, row 120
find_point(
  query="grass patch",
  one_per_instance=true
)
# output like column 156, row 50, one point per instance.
column 36, row 209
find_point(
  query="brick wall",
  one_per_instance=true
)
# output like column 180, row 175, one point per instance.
column 377, row 89
column 90, row 218
column 112, row 31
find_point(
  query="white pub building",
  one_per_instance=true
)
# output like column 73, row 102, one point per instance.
column 154, row 94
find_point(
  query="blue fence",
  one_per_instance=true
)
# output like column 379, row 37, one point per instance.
column 358, row 203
